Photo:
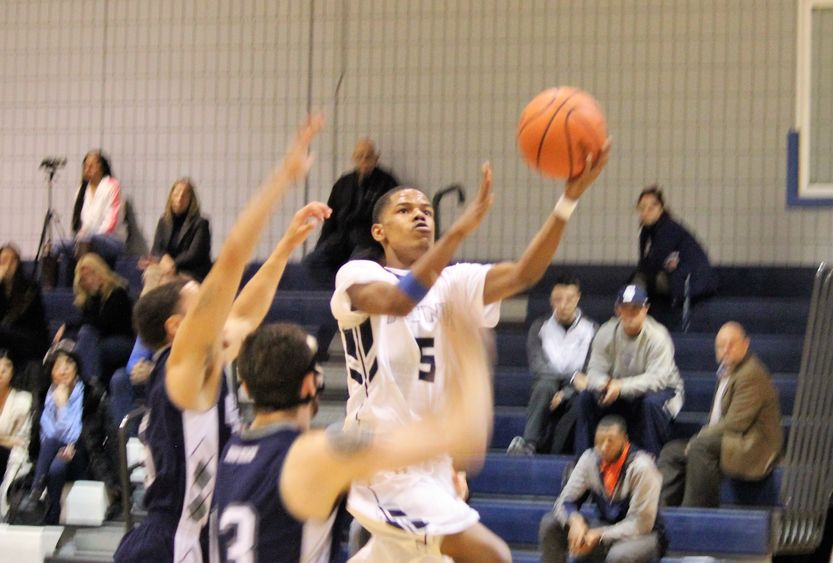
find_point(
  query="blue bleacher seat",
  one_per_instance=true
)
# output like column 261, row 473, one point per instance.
column 781, row 315
column 693, row 351
column 744, row 532
column 513, row 385
column 540, row 476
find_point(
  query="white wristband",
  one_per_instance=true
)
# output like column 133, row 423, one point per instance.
column 564, row 207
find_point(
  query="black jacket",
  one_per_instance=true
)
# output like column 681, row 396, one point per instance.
column 348, row 228
column 191, row 250
column 21, row 311
column 661, row 239
column 111, row 317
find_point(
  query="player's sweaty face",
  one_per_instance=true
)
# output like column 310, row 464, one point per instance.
column 409, row 215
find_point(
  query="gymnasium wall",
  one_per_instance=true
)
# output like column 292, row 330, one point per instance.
column 699, row 96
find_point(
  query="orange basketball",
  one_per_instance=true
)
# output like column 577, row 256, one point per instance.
column 558, row 129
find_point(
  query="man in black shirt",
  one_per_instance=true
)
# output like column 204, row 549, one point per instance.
column 346, row 234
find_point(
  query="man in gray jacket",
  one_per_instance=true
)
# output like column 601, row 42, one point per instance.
column 631, row 373
column 557, row 348
column 624, row 485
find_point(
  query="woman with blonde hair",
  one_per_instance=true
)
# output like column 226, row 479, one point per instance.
column 105, row 334
column 182, row 242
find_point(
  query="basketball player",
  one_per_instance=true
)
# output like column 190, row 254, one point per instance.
column 195, row 331
column 388, row 317
column 278, row 484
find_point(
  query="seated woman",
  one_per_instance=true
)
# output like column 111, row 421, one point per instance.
column 669, row 255
column 15, row 425
column 98, row 215
column 23, row 330
column 72, row 441
column 182, row 243
column 105, row 335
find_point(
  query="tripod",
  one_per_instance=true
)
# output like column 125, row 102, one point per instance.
column 51, row 221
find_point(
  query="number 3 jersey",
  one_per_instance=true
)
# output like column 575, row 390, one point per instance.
column 393, row 377
column 249, row 522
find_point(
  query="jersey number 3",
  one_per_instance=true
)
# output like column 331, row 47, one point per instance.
column 240, row 548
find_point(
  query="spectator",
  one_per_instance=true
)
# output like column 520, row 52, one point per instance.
column 98, row 222
column 624, row 485
column 669, row 254
column 23, row 329
column 70, row 435
column 127, row 386
column 346, row 233
column 743, row 437
column 182, row 243
column 105, row 336
column 557, row 348
column 15, row 425
column 631, row 373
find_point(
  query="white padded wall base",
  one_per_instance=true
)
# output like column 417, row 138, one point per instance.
column 28, row 544
column 84, row 503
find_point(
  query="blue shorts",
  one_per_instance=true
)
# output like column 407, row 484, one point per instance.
column 152, row 540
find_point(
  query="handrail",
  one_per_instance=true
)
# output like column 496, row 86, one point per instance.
column 808, row 478
column 124, row 470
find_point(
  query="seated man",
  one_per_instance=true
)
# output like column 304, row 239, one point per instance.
column 631, row 373
column 557, row 348
column 624, row 485
column 743, row 437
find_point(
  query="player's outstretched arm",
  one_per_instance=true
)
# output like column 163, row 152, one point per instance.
column 381, row 298
column 321, row 465
column 195, row 363
column 253, row 303
column 510, row 278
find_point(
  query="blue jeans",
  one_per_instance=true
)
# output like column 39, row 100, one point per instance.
column 124, row 397
column 649, row 425
column 53, row 472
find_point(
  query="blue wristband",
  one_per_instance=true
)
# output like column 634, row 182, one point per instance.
column 413, row 288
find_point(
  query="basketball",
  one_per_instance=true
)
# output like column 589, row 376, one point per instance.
column 558, row 129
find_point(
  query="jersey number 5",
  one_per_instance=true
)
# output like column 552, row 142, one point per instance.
column 427, row 366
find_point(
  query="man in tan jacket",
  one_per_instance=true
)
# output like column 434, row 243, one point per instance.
column 743, row 437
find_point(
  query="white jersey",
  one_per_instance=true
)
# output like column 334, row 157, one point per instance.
column 392, row 374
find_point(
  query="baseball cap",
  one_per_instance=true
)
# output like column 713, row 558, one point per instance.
column 632, row 295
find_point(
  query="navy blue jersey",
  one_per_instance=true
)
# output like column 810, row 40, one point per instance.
column 249, row 520
column 182, row 450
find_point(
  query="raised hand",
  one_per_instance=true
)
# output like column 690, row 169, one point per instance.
column 477, row 209
column 298, row 159
column 305, row 221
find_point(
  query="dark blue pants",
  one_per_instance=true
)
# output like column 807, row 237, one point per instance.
column 53, row 472
column 101, row 356
column 124, row 397
column 649, row 425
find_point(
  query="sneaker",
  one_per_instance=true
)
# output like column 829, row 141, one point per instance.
column 519, row 446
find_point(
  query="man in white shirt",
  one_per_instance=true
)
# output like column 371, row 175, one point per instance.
column 557, row 349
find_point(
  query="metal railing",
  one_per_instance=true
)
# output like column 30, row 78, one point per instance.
column 124, row 469
column 808, row 465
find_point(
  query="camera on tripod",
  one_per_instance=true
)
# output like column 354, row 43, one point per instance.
column 53, row 162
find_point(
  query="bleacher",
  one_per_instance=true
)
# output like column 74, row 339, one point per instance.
column 512, row 493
